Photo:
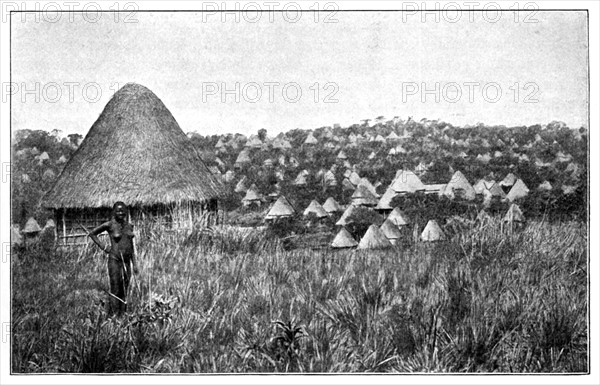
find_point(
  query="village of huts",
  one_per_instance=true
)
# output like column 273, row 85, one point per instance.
column 380, row 183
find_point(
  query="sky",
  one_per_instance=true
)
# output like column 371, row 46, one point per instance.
column 305, row 74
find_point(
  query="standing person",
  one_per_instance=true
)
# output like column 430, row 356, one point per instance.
column 120, row 256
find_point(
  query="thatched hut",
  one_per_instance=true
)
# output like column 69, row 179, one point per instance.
column 135, row 152
column 374, row 238
column 432, row 232
column 280, row 209
column 343, row 240
column 315, row 208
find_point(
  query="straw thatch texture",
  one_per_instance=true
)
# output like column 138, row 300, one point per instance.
column 343, row 240
column 135, row 152
column 331, row 205
column 280, row 209
column 31, row 227
column 391, row 231
column 363, row 197
column 432, row 232
column 315, row 208
column 374, row 238
column 518, row 190
column 459, row 184
column 397, row 217
column 407, row 182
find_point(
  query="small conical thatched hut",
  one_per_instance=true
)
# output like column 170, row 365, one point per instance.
column 280, row 209
column 31, row 227
column 459, row 186
column 343, row 221
column 300, row 179
column 363, row 197
column 315, row 208
column 384, row 204
column 331, row 206
column 365, row 182
column 407, row 182
column 397, row 217
column 135, row 152
column 310, row 139
column 494, row 192
column 518, row 190
column 329, row 179
column 50, row 224
column 545, row 186
column 347, row 185
column 514, row 214
column 391, row 231
column 508, row 181
column 240, row 186
column 242, row 159
column 343, row 240
column 432, row 232
column 251, row 197
column 392, row 136
column 48, row 175
column 354, row 178
column 374, row 238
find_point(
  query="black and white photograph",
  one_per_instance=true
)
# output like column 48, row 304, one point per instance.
column 320, row 191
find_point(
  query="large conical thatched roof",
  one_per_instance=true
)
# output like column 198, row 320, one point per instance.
column 135, row 152
column 432, row 232
column 343, row 239
column 374, row 238
column 281, row 208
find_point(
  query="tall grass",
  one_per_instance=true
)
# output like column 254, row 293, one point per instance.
column 234, row 301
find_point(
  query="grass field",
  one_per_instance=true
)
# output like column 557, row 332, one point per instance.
column 236, row 302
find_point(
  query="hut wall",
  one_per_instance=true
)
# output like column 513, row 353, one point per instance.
column 72, row 224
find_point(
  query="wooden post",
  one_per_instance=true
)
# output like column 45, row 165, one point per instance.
column 64, row 226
